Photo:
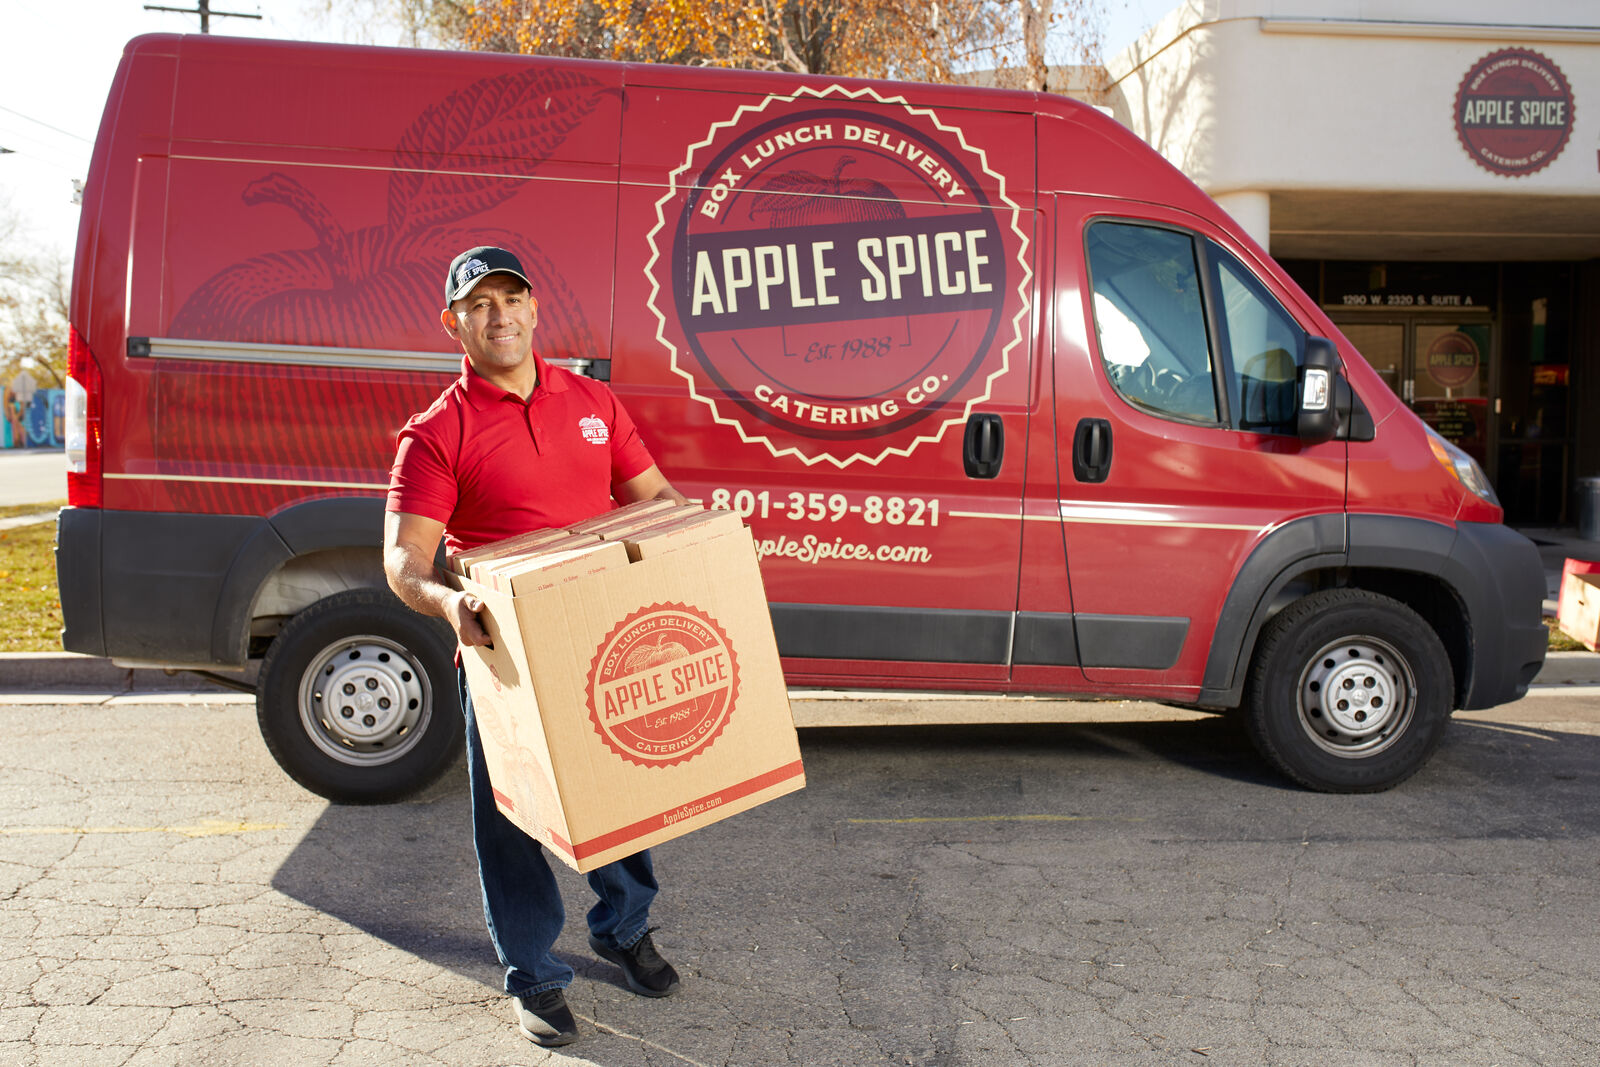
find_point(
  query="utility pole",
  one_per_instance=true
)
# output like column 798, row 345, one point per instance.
column 203, row 9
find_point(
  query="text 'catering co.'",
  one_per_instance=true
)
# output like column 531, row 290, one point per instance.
column 839, row 276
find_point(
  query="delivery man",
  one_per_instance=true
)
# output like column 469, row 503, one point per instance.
column 513, row 446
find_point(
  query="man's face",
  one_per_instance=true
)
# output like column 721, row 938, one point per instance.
column 494, row 323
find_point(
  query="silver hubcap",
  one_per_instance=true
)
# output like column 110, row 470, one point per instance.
column 365, row 700
column 1356, row 696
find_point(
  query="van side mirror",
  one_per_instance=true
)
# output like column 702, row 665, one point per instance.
column 1318, row 419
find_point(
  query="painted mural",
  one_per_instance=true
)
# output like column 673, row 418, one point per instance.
column 33, row 417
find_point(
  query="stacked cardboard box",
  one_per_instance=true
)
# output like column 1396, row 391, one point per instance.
column 632, row 691
column 1578, row 610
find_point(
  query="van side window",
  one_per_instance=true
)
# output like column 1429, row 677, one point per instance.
column 1263, row 347
column 1150, row 319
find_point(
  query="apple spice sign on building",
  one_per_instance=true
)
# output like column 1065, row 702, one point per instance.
column 836, row 281
column 1514, row 112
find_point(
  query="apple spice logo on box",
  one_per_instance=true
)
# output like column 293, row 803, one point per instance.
column 837, row 279
column 1514, row 112
column 662, row 685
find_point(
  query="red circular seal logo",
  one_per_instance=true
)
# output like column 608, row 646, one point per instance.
column 1453, row 359
column 1514, row 112
column 662, row 685
column 838, row 275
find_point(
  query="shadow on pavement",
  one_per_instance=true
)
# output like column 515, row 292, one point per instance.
column 834, row 916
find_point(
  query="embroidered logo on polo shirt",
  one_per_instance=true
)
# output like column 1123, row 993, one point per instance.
column 594, row 430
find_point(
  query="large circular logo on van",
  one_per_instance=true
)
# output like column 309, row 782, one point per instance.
column 1514, row 112
column 838, row 275
column 662, row 684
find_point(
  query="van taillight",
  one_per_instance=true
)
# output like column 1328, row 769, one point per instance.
column 83, row 407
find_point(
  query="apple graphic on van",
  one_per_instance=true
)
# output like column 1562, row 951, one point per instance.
column 363, row 287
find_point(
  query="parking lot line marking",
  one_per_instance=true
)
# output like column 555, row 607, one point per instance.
column 1000, row 818
column 208, row 828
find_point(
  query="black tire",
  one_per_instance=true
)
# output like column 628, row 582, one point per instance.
column 1349, row 692
column 401, row 728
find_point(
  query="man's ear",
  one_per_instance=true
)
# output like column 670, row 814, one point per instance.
column 533, row 311
column 447, row 319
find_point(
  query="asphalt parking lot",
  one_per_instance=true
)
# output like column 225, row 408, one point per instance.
column 1134, row 891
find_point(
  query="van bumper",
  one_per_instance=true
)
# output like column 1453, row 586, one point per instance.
column 1499, row 574
column 149, row 586
column 78, row 580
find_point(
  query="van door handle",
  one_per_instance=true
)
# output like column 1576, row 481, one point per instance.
column 985, row 446
column 1091, row 450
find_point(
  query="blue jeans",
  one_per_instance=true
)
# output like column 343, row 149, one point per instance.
column 521, row 900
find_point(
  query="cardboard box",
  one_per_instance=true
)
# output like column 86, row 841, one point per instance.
column 679, row 530
column 1579, row 611
column 462, row 563
column 629, row 705
column 492, row 572
column 551, row 568
column 630, row 514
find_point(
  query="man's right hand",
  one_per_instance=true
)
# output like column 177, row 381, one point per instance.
column 462, row 615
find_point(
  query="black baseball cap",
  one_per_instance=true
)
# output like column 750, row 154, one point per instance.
column 475, row 264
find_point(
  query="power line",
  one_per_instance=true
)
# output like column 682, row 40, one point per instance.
column 46, row 125
column 203, row 9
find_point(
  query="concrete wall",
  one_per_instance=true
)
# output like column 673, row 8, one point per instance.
column 1350, row 97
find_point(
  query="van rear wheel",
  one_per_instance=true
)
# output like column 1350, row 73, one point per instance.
column 1350, row 692
column 357, row 700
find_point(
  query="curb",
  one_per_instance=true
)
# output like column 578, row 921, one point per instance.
column 49, row 672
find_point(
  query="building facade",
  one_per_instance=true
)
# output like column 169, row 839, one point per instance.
column 1430, row 172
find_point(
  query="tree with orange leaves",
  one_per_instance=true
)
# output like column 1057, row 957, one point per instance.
column 914, row 40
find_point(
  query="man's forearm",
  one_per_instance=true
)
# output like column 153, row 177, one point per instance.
column 415, row 582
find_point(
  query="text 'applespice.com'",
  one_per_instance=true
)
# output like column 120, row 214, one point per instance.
column 813, row 549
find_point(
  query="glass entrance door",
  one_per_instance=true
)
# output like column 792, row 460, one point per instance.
column 1449, row 382
column 1439, row 367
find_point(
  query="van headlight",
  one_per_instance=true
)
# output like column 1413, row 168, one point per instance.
column 1462, row 467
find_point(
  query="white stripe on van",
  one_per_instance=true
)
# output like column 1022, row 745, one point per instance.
column 1143, row 515
column 243, row 481
column 1099, row 517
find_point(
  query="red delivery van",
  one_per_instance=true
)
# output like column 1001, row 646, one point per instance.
column 1008, row 403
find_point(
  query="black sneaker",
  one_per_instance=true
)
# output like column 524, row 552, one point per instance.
column 648, row 974
column 545, row 1019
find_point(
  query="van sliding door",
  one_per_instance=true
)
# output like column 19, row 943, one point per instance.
column 830, row 296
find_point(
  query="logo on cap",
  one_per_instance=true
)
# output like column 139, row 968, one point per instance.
column 471, row 269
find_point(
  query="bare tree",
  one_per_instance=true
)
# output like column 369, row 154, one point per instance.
column 35, row 289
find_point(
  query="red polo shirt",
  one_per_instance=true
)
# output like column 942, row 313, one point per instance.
column 489, row 465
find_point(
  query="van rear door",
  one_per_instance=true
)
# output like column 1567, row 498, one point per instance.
column 1178, row 439
column 836, row 294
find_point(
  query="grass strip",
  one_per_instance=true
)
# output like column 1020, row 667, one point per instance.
column 30, row 605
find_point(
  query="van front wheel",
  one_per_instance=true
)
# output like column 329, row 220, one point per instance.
column 357, row 700
column 1350, row 692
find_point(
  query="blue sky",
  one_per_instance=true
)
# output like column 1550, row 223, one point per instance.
column 54, row 78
